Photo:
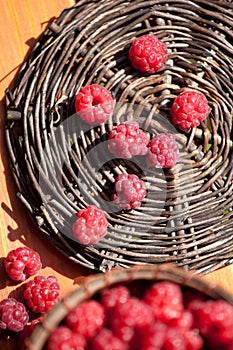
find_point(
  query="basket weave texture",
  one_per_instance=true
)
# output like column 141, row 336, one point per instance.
column 95, row 283
column 61, row 165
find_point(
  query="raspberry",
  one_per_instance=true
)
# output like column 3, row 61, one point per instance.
column 129, row 191
column 13, row 315
column 165, row 299
column 22, row 263
column 148, row 54
column 105, row 339
column 162, row 151
column 42, row 293
column 91, row 225
column 184, row 321
column 176, row 339
column 86, row 318
column 189, row 109
column 94, row 103
column 149, row 338
column 109, row 297
column 127, row 140
column 64, row 339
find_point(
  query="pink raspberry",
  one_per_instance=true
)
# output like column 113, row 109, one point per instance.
column 162, row 151
column 189, row 109
column 109, row 297
column 129, row 191
column 94, row 104
column 22, row 263
column 63, row 338
column 42, row 293
column 91, row 225
column 165, row 299
column 127, row 140
column 105, row 339
column 13, row 315
column 86, row 318
column 148, row 54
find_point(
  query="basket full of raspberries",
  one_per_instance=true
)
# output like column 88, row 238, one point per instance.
column 119, row 130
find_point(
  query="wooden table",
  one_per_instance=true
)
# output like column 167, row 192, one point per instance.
column 21, row 23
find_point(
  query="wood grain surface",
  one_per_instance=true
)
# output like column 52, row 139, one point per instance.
column 21, row 22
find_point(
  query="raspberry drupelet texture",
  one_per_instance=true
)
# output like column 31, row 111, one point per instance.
column 63, row 338
column 129, row 191
column 13, row 315
column 109, row 297
column 42, row 293
column 94, row 104
column 87, row 318
column 21, row 263
column 148, row 54
column 91, row 225
column 105, row 339
column 163, row 151
column 127, row 140
column 189, row 109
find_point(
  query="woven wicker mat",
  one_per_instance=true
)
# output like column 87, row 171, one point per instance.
column 61, row 165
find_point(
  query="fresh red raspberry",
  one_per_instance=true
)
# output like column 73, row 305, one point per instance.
column 162, row 151
column 42, row 293
column 150, row 337
column 148, row 54
column 127, row 140
column 109, row 297
column 105, row 339
column 126, row 317
column 94, row 104
column 91, row 225
column 63, row 338
column 21, row 263
column 86, row 318
column 13, row 315
column 176, row 339
column 184, row 321
column 27, row 331
column 165, row 300
column 129, row 191
column 189, row 109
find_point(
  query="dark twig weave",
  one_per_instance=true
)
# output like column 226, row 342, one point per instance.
column 61, row 165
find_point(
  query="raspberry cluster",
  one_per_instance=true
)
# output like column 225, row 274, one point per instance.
column 163, row 316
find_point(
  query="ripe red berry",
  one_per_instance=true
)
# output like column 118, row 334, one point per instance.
column 94, row 104
column 21, row 263
column 91, row 225
column 42, row 293
column 87, row 318
column 127, row 140
column 109, row 297
column 129, row 191
column 105, row 339
column 148, row 54
column 150, row 337
column 177, row 339
column 13, row 315
column 163, row 151
column 63, row 338
column 189, row 109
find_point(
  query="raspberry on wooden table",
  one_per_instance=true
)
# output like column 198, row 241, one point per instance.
column 189, row 109
column 148, row 54
column 105, row 339
column 94, row 103
column 129, row 191
column 21, row 263
column 91, row 225
column 127, row 140
column 13, row 315
column 63, row 338
column 163, row 151
column 42, row 293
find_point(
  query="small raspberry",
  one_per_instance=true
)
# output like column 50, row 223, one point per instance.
column 94, row 104
column 127, row 140
column 129, row 191
column 148, row 54
column 109, row 297
column 13, row 315
column 189, row 109
column 91, row 225
column 42, row 293
column 105, row 339
column 162, row 151
column 177, row 339
column 165, row 299
column 22, row 263
column 63, row 338
column 86, row 318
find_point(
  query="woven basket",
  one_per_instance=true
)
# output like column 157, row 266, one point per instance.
column 187, row 215
column 95, row 283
